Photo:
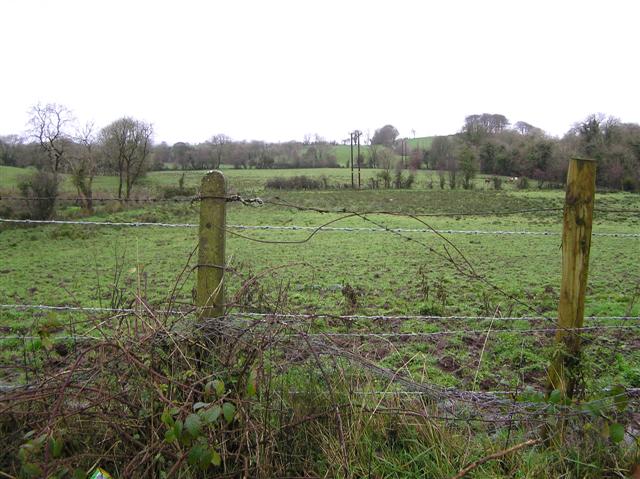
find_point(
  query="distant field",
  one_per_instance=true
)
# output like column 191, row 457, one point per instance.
column 343, row 152
column 424, row 142
column 240, row 180
column 9, row 176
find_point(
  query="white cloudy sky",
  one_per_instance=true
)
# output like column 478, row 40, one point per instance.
column 275, row 70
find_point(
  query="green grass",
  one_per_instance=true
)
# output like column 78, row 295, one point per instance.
column 392, row 275
column 10, row 175
column 343, row 152
column 422, row 142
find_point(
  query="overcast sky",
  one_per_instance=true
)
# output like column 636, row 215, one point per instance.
column 275, row 70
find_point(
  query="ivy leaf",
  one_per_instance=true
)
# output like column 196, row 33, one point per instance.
column 200, row 456
column 555, row 397
column 170, row 436
column 195, row 454
column 229, row 411
column 218, row 387
column 216, row 460
column 208, row 391
column 31, row 470
column 177, row 429
column 213, row 387
column 211, row 415
column 616, row 432
column 23, row 452
column 252, row 387
column 193, row 424
column 200, row 405
column 166, row 418
column 55, row 446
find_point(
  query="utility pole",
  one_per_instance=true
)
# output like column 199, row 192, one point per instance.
column 351, row 141
column 358, row 133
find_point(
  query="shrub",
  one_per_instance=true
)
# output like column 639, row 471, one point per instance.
column 41, row 191
column 409, row 181
column 497, row 182
column 385, row 177
column 6, row 211
column 453, row 179
column 629, row 184
column 168, row 192
column 297, row 183
column 523, row 183
column 398, row 180
column 429, row 308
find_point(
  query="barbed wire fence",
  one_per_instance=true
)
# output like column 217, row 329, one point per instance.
column 317, row 341
column 345, row 214
column 320, row 228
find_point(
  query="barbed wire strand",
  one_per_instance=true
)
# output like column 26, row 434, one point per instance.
column 284, row 316
column 177, row 199
column 314, row 229
column 367, row 334
column 277, row 201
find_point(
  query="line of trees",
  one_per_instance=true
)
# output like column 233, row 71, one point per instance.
column 110, row 155
column 221, row 149
column 487, row 143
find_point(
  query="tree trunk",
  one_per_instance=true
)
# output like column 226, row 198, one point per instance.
column 120, row 185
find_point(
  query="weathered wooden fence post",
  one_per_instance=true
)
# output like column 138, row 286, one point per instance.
column 211, row 259
column 576, row 244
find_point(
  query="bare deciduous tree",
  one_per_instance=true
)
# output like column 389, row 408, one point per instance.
column 220, row 144
column 127, row 146
column 48, row 125
column 83, row 162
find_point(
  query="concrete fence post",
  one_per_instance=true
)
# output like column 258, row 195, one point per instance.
column 211, row 247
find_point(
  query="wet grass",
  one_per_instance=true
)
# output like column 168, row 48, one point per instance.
column 391, row 274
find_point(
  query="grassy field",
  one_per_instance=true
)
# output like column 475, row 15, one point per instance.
column 338, row 273
column 392, row 274
column 9, row 176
